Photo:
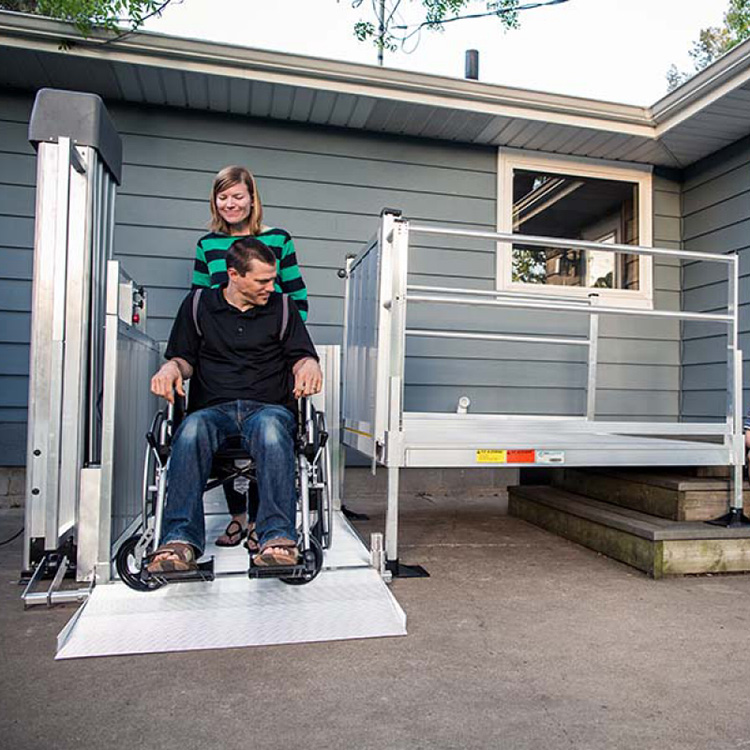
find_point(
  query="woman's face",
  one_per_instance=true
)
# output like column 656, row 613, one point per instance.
column 233, row 205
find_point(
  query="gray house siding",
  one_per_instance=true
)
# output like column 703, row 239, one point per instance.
column 326, row 187
column 716, row 218
column 639, row 358
column 17, row 181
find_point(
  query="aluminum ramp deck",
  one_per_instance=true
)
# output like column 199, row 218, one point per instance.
column 347, row 600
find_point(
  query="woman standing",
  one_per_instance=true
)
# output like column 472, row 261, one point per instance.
column 237, row 211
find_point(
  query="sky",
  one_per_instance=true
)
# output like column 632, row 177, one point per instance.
column 613, row 50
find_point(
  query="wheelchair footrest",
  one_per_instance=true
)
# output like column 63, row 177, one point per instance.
column 204, row 572
column 300, row 570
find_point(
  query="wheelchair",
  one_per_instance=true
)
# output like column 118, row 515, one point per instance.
column 315, row 508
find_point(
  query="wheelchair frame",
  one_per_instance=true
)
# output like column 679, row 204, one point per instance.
column 313, row 469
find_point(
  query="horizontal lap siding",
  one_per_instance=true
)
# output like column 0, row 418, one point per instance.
column 17, row 180
column 716, row 218
column 325, row 187
column 657, row 395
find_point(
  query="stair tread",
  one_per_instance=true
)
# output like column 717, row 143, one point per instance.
column 631, row 521
column 679, row 482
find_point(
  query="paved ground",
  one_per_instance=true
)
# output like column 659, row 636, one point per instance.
column 519, row 640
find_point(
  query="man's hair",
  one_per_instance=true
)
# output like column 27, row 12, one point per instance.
column 244, row 251
column 227, row 178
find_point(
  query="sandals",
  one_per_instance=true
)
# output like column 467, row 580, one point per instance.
column 277, row 553
column 182, row 559
column 252, row 545
column 233, row 535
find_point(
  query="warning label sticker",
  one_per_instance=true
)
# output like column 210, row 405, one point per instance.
column 492, row 457
column 521, row 457
column 550, row 457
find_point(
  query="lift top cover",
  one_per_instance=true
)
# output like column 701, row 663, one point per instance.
column 81, row 117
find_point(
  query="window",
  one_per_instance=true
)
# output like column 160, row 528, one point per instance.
column 574, row 199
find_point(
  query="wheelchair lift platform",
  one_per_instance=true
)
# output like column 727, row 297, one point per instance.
column 347, row 600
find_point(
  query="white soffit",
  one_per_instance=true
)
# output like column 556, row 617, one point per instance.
column 707, row 113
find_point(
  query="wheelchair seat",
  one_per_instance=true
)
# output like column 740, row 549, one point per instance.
column 231, row 450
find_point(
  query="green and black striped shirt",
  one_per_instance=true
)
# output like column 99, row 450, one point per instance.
column 211, row 266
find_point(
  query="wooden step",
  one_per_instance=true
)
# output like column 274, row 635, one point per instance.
column 667, row 494
column 657, row 546
column 717, row 472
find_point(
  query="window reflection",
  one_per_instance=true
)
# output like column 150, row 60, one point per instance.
column 572, row 207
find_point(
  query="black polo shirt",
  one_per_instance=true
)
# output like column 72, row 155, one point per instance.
column 240, row 355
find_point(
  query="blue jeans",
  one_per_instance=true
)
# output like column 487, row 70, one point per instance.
column 268, row 433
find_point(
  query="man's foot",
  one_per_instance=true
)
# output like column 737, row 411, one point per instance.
column 234, row 533
column 173, row 557
column 277, row 553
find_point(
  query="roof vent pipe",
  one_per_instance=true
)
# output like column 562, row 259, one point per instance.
column 472, row 64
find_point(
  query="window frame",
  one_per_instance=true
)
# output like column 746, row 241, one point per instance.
column 573, row 166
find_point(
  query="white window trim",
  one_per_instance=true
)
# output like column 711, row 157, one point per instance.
column 510, row 159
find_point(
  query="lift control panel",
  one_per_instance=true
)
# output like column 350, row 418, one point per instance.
column 132, row 302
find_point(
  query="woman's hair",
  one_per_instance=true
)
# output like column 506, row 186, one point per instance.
column 232, row 176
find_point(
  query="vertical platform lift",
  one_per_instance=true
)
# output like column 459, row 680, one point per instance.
column 90, row 404
column 80, row 300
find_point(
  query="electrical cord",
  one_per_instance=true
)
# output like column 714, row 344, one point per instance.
column 15, row 536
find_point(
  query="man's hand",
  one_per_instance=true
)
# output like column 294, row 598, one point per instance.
column 308, row 378
column 167, row 380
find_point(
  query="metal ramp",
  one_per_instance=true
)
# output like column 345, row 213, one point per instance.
column 348, row 600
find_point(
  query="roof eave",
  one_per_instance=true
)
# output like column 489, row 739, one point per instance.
column 225, row 59
column 727, row 73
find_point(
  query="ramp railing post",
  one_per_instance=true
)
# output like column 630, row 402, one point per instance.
column 735, row 517
column 394, row 453
column 592, row 360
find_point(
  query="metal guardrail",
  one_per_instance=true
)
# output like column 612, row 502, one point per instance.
column 504, row 299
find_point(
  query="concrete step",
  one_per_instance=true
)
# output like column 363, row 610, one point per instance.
column 675, row 495
column 657, row 546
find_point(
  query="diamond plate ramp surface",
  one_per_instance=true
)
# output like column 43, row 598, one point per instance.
column 347, row 600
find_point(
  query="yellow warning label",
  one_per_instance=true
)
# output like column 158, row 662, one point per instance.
column 492, row 457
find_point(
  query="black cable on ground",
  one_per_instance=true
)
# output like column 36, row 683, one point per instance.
column 15, row 536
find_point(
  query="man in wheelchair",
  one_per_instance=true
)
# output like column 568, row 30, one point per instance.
column 248, row 356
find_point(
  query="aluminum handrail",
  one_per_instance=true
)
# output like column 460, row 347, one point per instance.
column 467, row 335
column 675, row 314
column 583, row 302
column 557, row 242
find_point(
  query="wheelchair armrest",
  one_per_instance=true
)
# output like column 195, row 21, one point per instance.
column 176, row 411
column 154, row 431
column 164, row 425
column 311, row 434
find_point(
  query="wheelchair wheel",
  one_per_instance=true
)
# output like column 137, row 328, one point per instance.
column 313, row 560
column 128, row 568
